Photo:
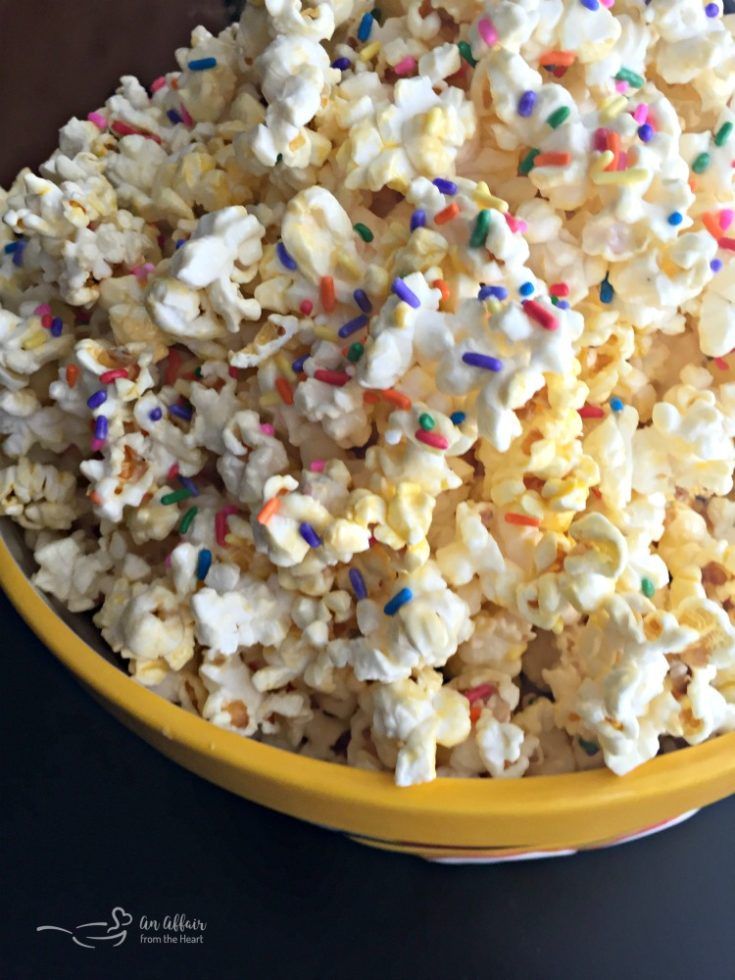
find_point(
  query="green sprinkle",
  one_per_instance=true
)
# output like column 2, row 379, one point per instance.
column 175, row 497
column 377, row 14
column 198, row 372
column 701, row 163
column 591, row 748
column 188, row 519
column 355, row 353
column 482, row 227
column 466, row 52
column 279, row 158
column 364, row 232
column 723, row 134
column 647, row 587
column 558, row 116
column 526, row 164
column 633, row 79
column 554, row 300
column 426, row 422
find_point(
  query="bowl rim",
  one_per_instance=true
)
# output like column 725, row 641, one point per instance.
column 561, row 809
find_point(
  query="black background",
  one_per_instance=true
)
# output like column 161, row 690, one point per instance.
column 92, row 817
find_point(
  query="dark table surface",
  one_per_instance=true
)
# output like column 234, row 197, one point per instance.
column 92, row 818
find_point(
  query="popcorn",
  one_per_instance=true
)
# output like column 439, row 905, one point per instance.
column 370, row 380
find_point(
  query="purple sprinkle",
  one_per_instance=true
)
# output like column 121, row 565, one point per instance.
column 404, row 293
column 526, row 104
column 418, row 219
column 445, row 186
column 498, row 292
column 341, row 64
column 189, row 485
column 562, row 304
column 181, row 412
column 298, row 364
column 712, row 10
column 715, row 265
column 363, row 300
column 358, row 584
column 352, row 326
column 309, row 535
column 97, row 399
column 645, row 132
column 100, row 427
column 174, row 116
column 57, row 326
column 284, row 257
column 180, row 242
column 482, row 361
column 155, row 414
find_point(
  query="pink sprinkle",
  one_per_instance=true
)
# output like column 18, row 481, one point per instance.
column 726, row 216
column 267, row 429
column 621, row 87
column 607, row 3
column 432, row 439
column 306, row 306
column 721, row 363
column 405, row 66
column 158, row 83
column 622, row 160
column 515, row 224
column 167, row 560
column 149, row 267
column 43, row 310
column 98, row 119
column 317, row 465
column 97, row 444
column 480, row 692
column 640, row 113
column 107, row 376
column 186, row 117
column 599, row 141
column 486, row 30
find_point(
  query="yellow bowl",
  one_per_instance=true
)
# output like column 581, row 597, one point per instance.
column 466, row 819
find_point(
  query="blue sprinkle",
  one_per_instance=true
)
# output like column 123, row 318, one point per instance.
column 18, row 253
column 483, row 361
column 457, row 417
column 616, row 404
column 445, row 186
column 606, row 292
column 174, row 116
column 204, row 563
column 675, row 218
column 181, row 412
column 298, row 364
column 366, row 26
column 284, row 257
column 712, row 10
column 498, row 292
column 180, row 242
column 100, row 427
column 155, row 414
column 341, row 64
column 358, row 584
column 418, row 219
column 363, row 300
column 57, row 326
column 562, row 304
column 403, row 292
column 309, row 535
column 526, row 104
column 399, row 599
column 527, row 289
column 352, row 326
column 645, row 132
column 12, row 247
column 97, row 399
column 202, row 64
column 590, row 4
column 189, row 485
column 715, row 265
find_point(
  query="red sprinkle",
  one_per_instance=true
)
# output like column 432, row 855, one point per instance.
column 233, row 373
column 173, row 366
column 727, row 243
column 336, row 378
column 107, row 376
column 432, row 439
column 559, row 289
column 306, row 306
column 327, row 294
column 721, row 363
column 72, row 375
column 543, row 317
column 173, row 472
column 220, row 523
column 46, row 321
column 599, row 140
column 591, row 412
column 448, row 214
column 285, row 391
column 523, row 520
column 480, row 693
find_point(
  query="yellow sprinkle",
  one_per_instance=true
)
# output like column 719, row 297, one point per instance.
column 370, row 50
column 493, row 305
column 633, row 176
column 284, row 366
column 613, row 107
column 324, row 333
column 401, row 313
column 434, row 122
column 269, row 399
column 601, row 162
column 483, row 197
column 35, row 340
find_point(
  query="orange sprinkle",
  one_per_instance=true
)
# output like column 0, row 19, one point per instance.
column 552, row 159
column 269, row 510
column 447, row 214
column 95, row 498
column 371, row 397
column 397, row 398
column 284, row 390
column 523, row 520
column 475, row 712
column 693, row 185
column 613, row 144
column 557, row 59
column 326, row 292
column 72, row 375
column 712, row 223
column 443, row 288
